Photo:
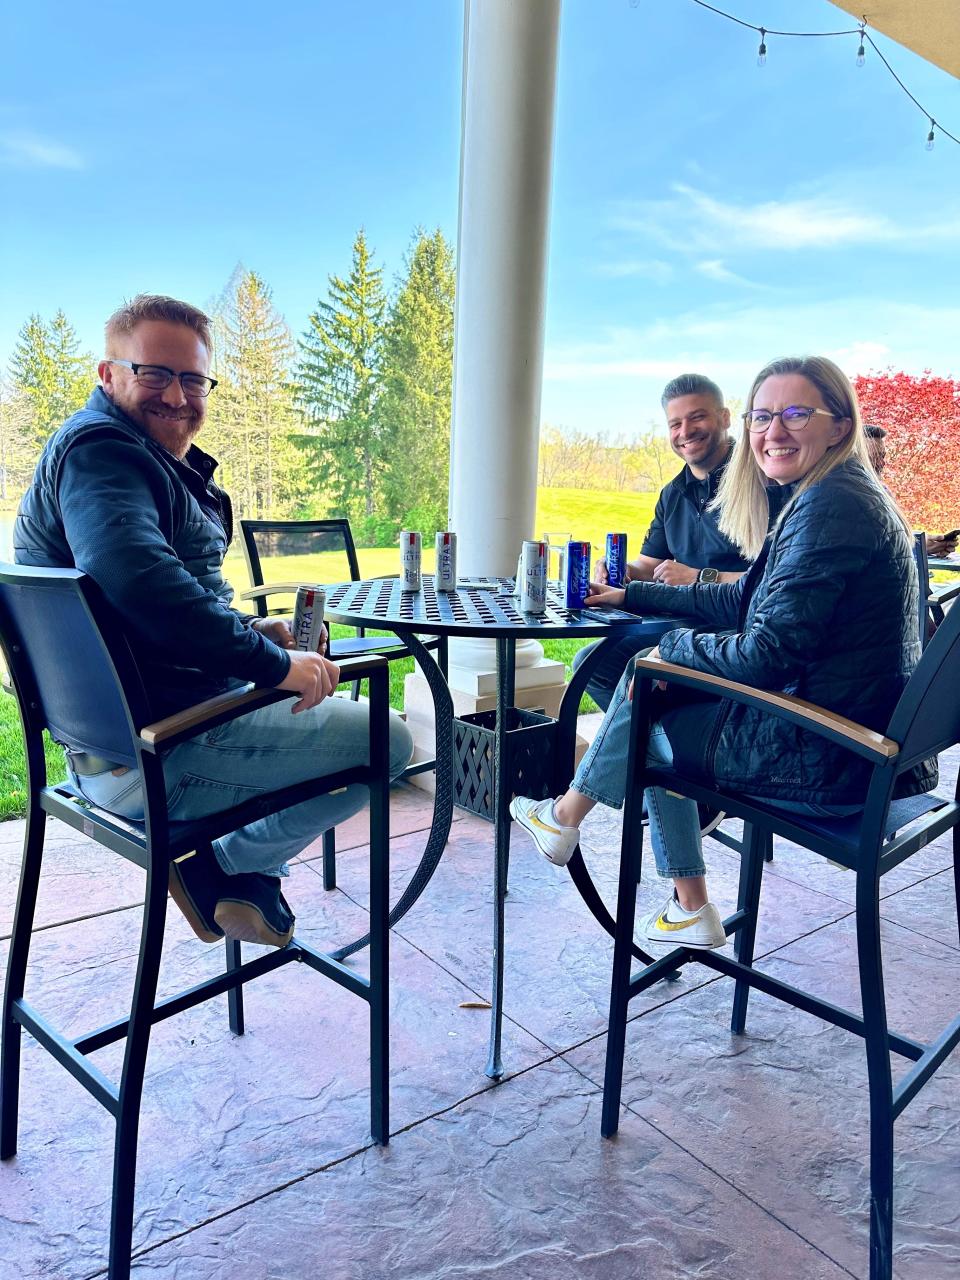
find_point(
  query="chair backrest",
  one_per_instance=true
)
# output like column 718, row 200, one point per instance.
column 299, row 551
column 923, row 577
column 926, row 720
column 69, row 662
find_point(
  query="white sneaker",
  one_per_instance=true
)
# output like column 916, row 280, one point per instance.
column 555, row 842
column 675, row 927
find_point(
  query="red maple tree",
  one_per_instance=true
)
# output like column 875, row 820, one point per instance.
column 921, row 415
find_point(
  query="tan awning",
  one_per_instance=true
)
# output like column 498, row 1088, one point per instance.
column 928, row 27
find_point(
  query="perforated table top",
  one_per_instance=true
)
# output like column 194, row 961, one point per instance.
column 472, row 610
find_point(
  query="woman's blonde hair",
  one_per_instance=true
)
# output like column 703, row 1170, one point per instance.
column 742, row 497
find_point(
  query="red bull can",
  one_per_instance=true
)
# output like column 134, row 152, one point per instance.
column 411, row 553
column 308, row 618
column 445, row 548
column 617, row 559
column 576, row 579
column 532, row 575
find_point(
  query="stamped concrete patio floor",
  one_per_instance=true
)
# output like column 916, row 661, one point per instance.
column 737, row 1156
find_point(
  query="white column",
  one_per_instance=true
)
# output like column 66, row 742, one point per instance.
column 509, row 94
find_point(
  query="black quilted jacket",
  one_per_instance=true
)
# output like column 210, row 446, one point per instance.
column 829, row 613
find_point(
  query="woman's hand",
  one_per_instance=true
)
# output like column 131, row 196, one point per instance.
column 660, row 684
column 600, row 594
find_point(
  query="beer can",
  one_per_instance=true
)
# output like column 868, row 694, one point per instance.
column 532, row 575
column 308, row 618
column 445, row 547
column 577, row 574
column 617, row 559
column 410, row 556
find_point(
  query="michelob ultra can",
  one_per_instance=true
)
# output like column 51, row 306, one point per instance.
column 411, row 552
column 308, row 618
column 532, row 575
column 617, row 559
column 445, row 547
column 577, row 574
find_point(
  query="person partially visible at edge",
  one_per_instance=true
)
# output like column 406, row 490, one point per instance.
column 827, row 612
column 942, row 544
column 684, row 543
column 122, row 493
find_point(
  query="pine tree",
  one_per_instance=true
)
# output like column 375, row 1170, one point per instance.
column 47, row 367
column 418, row 382
column 252, row 415
column 339, row 386
column 17, row 448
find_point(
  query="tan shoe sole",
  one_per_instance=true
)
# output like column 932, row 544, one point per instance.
column 189, row 912
column 244, row 923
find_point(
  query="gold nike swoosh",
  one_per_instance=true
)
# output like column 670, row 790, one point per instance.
column 554, row 831
column 671, row 926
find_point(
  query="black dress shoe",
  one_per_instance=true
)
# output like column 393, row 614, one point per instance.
column 252, row 909
column 196, row 883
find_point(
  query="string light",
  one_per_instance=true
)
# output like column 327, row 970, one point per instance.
column 865, row 39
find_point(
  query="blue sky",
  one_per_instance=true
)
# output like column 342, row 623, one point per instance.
column 707, row 214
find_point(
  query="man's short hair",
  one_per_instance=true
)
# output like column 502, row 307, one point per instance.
column 155, row 306
column 691, row 384
column 874, row 433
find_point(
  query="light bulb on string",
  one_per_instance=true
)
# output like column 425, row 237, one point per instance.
column 861, row 52
column 930, row 134
column 762, row 51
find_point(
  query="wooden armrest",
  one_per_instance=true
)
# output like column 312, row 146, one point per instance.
column 228, row 706
column 274, row 588
column 863, row 741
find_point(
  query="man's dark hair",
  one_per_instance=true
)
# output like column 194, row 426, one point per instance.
column 691, row 384
column 875, row 433
column 155, row 306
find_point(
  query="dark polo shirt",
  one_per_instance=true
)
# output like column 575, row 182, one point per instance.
column 684, row 530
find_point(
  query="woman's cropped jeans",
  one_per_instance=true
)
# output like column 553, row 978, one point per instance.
column 674, row 820
column 263, row 751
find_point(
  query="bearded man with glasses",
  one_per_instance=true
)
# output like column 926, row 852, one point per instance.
column 122, row 493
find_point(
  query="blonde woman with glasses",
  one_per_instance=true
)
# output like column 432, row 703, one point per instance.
column 827, row 612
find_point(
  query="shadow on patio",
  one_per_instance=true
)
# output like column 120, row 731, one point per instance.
column 738, row 1157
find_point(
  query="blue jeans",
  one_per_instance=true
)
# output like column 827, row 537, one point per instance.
column 263, row 751
column 607, row 673
column 674, row 820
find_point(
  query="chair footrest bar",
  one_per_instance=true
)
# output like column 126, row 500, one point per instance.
column 918, row 1075
column 422, row 766
column 187, row 999
column 904, row 1045
column 333, row 969
column 66, row 1053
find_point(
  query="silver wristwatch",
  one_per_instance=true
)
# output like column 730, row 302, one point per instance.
column 708, row 575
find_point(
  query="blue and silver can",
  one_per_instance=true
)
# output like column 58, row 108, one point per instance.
column 617, row 559
column 577, row 574
column 532, row 575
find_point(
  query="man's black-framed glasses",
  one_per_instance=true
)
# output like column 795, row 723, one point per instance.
column 158, row 377
column 795, row 417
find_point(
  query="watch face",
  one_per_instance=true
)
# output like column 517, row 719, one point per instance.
column 709, row 575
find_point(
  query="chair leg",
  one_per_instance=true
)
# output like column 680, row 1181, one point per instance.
column 131, row 1079
column 12, row 1031
column 956, row 871
column 878, row 1074
column 630, row 854
column 330, row 859
column 235, row 994
column 756, row 845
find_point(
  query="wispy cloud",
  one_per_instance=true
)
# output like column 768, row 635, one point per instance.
column 29, row 151
column 690, row 220
column 649, row 269
column 714, row 269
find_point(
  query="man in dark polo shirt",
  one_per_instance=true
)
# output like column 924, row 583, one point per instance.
column 683, row 544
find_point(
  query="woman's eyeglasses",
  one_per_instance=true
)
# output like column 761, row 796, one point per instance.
column 795, row 417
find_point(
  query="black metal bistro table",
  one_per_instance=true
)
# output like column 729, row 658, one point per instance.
column 487, row 609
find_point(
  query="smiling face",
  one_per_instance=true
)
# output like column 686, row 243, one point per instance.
column 785, row 456
column 698, row 429
column 169, row 417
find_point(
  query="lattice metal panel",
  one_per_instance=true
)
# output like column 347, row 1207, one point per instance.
column 529, row 748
